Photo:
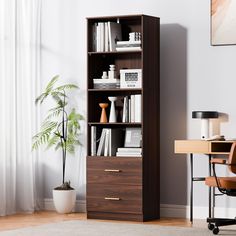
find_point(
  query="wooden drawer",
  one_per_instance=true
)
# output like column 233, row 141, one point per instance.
column 114, row 198
column 109, row 170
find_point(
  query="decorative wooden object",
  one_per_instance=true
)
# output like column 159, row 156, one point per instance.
column 103, row 118
column 126, row 188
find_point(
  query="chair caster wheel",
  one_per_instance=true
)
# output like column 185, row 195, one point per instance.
column 216, row 230
column 210, row 226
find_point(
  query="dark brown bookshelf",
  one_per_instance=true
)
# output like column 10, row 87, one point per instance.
column 126, row 188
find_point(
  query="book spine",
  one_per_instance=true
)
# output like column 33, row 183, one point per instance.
column 124, row 111
column 98, row 47
column 106, row 143
column 93, row 140
column 106, row 37
column 95, row 37
column 121, row 149
column 102, row 33
column 127, row 48
column 138, row 108
column 132, row 108
column 128, row 155
column 109, row 35
column 100, row 150
column 110, row 143
column 129, row 110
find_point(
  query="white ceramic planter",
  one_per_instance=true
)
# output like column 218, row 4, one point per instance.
column 64, row 200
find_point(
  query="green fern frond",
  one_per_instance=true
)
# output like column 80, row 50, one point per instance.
column 53, row 140
column 51, row 83
column 66, row 86
column 54, row 114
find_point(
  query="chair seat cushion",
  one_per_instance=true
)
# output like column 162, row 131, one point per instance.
column 225, row 182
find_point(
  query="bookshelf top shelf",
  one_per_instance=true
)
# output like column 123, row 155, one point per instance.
column 104, row 157
column 114, row 52
column 115, row 90
column 125, row 124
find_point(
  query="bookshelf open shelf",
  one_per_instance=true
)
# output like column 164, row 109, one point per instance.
column 124, row 124
column 115, row 52
column 115, row 157
column 116, row 90
column 125, row 187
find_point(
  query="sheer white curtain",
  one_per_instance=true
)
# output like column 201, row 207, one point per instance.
column 19, row 81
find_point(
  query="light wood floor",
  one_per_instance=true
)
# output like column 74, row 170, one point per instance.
column 46, row 217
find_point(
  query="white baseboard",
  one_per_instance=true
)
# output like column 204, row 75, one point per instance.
column 80, row 205
column 167, row 210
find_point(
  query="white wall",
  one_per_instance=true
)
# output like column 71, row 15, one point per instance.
column 194, row 76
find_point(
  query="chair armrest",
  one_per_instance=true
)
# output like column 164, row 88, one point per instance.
column 218, row 161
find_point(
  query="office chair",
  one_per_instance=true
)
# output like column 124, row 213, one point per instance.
column 226, row 185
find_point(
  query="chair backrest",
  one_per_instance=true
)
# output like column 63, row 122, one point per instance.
column 232, row 158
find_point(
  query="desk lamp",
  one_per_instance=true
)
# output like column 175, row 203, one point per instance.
column 205, row 116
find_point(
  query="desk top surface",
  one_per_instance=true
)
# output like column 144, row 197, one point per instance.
column 203, row 146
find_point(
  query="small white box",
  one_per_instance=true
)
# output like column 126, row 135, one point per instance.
column 131, row 78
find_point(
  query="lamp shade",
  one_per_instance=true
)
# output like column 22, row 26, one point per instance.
column 205, row 114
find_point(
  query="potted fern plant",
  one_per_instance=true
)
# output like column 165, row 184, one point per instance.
column 60, row 129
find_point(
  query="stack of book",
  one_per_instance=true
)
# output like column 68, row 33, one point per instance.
column 133, row 44
column 105, row 35
column 132, row 110
column 128, row 45
column 129, row 152
column 106, row 83
column 110, row 140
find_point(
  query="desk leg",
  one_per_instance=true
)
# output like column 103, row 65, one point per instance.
column 191, row 188
column 210, row 194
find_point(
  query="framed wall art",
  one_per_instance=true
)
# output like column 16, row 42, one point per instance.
column 223, row 22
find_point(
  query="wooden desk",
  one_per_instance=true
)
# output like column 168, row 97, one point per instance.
column 201, row 147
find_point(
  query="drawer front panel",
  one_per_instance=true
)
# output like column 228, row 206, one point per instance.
column 124, row 171
column 114, row 198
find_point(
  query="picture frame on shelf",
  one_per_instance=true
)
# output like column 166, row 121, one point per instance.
column 133, row 137
column 131, row 78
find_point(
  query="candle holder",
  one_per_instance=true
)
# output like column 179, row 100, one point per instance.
column 112, row 116
column 103, row 118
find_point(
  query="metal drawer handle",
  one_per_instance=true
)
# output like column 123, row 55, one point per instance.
column 112, row 198
column 111, row 170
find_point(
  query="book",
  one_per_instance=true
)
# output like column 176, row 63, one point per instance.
column 127, row 43
column 132, row 108
column 128, row 155
column 98, row 38
column 129, row 110
column 106, row 142
column 122, row 149
column 105, row 81
column 119, row 49
column 94, row 37
column 102, row 36
column 93, row 140
column 106, row 37
column 125, row 110
column 114, row 34
column 138, row 108
column 101, row 145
